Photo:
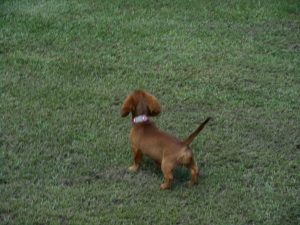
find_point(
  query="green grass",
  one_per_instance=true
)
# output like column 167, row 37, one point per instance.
column 66, row 67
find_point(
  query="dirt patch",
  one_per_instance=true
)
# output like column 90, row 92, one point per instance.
column 294, row 47
column 6, row 216
column 115, row 174
column 147, row 175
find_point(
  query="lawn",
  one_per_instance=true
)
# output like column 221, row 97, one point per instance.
column 67, row 66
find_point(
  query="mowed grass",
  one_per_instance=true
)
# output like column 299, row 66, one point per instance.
column 66, row 67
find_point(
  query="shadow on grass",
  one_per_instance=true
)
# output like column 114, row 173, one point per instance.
column 148, row 174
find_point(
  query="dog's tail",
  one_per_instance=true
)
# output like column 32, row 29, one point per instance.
column 189, row 140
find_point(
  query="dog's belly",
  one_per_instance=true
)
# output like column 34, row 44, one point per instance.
column 153, row 152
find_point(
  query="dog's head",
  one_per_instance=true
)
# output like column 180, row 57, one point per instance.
column 140, row 103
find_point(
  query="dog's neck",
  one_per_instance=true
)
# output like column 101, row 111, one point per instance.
column 140, row 119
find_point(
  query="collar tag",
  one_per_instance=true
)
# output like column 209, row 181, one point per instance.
column 140, row 119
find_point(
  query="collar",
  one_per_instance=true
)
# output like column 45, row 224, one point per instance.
column 140, row 119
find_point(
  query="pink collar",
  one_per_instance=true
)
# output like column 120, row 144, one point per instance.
column 140, row 119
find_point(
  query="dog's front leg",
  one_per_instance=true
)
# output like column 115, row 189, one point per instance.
column 137, row 158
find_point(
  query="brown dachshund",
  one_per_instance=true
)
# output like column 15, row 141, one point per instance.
column 146, row 138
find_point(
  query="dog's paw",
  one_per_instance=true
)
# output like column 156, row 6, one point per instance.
column 133, row 168
column 191, row 183
column 164, row 186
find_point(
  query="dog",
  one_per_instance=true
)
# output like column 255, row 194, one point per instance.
column 166, row 150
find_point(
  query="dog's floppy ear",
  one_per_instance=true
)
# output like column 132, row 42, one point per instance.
column 127, row 106
column 153, row 105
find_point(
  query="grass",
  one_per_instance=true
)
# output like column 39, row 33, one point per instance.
column 66, row 67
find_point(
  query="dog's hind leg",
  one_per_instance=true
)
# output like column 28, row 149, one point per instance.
column 192, row 166
column 167, row 169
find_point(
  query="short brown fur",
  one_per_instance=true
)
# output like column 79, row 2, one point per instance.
column 146, row 138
